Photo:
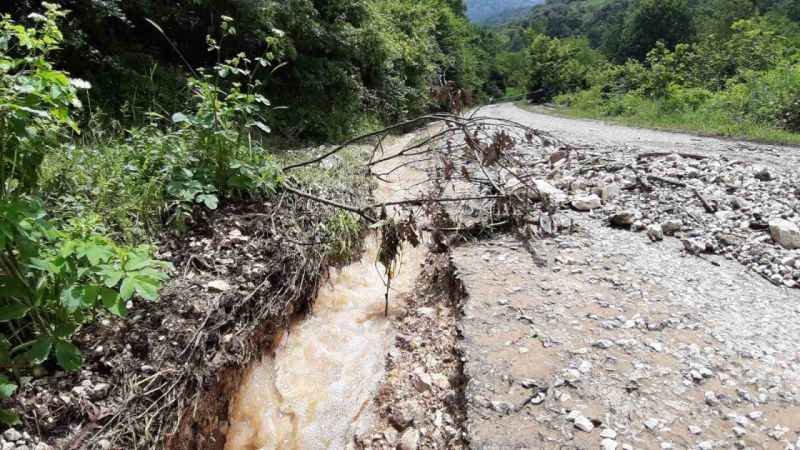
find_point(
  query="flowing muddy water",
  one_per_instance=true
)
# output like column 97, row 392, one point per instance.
column 315, row 391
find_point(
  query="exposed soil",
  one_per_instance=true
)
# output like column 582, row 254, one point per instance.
column 421, row 399
column 163, row 377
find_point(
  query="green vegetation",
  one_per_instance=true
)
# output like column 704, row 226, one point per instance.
column 730, row 68
column 123, row 123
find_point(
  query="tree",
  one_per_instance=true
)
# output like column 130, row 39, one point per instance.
column 650, row 21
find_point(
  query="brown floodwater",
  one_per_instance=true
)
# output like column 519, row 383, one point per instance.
column 315, row 391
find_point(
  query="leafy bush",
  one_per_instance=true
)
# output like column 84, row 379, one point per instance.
column 558, row 66
column 53, row 276
column 790, row 116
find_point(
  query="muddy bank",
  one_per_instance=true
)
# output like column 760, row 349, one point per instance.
column 163, row 376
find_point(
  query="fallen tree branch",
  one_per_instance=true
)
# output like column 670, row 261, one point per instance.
column 706, row 204
column 677, row 183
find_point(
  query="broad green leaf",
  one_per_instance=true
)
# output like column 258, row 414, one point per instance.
column 68, row 355
column 7, row 388
column 113, row 302
column 12, row 287
column 39, row 350
column 8, row 417
column 64, row 330
column 136, row 262
column 13, row 312
column 97, row 254
column 111, row 277
column 72, row 298
column 210, row 200
column 146, row 287
column 44, row 265
column 126, row 290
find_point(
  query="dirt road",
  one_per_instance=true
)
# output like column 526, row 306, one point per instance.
column 601, row 338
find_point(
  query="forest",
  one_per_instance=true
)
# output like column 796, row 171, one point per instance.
column 726, row 67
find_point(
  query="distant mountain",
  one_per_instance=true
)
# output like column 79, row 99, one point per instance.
column 499, row 11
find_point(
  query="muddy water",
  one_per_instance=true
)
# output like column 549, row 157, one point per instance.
column 315, row 391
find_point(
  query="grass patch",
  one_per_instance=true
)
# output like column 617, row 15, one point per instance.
column 649, row 114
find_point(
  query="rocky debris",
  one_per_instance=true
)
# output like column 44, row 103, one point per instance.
column 218, row 286
column 651, row 424
column 785, row 233
column 670, row 227
column 623, row 219
column 409, row 440
column 762, row 174
column 608, row 444
column 548, row 191
column 583, row 424
column 586, row 202
column 418, row 404
column 699, row 343
column 655, row 233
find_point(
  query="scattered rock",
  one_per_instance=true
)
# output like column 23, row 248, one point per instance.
column 623, row 219
column 762, row 174
column 12, row 435
column 671, row 226
column 584, row 424
column 651, row 424
column 603, row 344
column 545, row 189
column 586, row 202
column 608, row 444
column 409, row 440
column 785, row 233
column 609, row 433
column 655, row 233
column 218, row 286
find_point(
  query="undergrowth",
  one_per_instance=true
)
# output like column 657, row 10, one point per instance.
column 80, row 213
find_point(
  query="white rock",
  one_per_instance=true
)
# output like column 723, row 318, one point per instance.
column 609, row 433
column 695, row 429
column 671, row 227
column 624, row 218
column 739, row 431
column 545, row 189
column 584, row 424
column 409, row 440
column 586, row 202
column 105, row 444
column 655, row 233
column 755, row 415
column 12, row 435
column 423, row 381
column 785, row 233
column 705, row 445
column 218, row 285
column 608, row 444
column 603, row 343
column 651, row 423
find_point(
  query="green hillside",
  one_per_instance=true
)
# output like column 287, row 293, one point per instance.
column 498, row 11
